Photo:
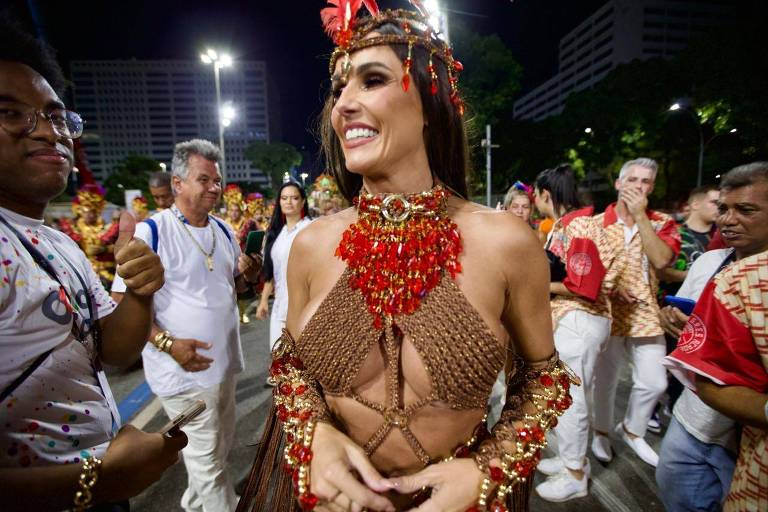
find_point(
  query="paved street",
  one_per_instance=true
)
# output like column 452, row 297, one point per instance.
column 626, row 485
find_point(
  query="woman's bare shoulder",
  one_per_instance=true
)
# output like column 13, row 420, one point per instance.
column 324, row 231
column 497, row 228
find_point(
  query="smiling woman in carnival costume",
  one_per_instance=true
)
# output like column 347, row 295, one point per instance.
column 404, row 308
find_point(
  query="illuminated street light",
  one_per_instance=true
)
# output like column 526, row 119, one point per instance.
column 437, row 18
column 303, row 176
column 211, row 56
column 227, row 114
column 163, row 167
column 675, row 107
column 587, row 130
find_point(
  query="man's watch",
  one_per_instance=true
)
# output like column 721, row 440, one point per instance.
column 163, row 341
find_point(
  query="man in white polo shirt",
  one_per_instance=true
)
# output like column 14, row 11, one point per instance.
column 195, row 350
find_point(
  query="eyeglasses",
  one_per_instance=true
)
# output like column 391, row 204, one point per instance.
column 19, row 119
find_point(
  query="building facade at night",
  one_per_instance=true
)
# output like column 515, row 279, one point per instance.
column 620, row 31
column 144, row 107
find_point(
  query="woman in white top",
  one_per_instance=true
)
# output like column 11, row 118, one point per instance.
column 291, row 215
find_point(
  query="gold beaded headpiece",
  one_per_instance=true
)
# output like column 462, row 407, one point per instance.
column 233, row 194
column 91, row 197
column 350, row 35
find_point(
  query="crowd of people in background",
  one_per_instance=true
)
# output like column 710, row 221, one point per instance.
column 617, row 280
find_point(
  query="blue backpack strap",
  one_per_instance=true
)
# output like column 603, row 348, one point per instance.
column 153, row 228
column 223, row 228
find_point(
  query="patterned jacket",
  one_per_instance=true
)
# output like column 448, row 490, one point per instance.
column 640, row 318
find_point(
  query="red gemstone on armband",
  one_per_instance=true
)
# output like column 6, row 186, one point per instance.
column 497, row 507
column 282, row 413
column 538, row 434
column 305, row 415
column 565, row 382
column 285, row 389
column 305, row 455
column 295, row 478
column 523, row 469
column 546, row 380
column 277, row 367
column 523, row 434
column 462, row 452
column 496, row 474
column 308, row 501
column 300, row 389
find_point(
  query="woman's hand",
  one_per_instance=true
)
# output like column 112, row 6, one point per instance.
column 262, row 310
column 336, row 463
column 455, row 485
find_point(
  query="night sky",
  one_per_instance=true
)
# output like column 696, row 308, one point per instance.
column 286, row 34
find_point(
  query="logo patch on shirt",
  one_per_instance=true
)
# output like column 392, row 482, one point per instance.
column 693, row 336
column 580, row 263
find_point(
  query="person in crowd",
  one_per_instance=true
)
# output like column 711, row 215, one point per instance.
column 721, row 355
column 581, row 315
column 59, row 439
column 140, row 207
column 698, row 453
column 695, row 235
column 406, row 306
column 160, row 189
column 517, row 201
column 290, row 217
column 194, row 351
column 650, row 241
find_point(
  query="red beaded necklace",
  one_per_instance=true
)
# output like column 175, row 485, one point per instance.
column 398, row 249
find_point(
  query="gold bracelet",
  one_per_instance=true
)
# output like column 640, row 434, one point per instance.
column 163, row 341
column 86, row 481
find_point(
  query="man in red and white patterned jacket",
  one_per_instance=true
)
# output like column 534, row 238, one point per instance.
column 651, row 241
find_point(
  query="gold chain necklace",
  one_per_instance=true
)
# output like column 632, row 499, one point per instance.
column 208, row 255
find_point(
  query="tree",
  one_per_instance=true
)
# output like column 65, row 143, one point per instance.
column 131, row 173
column 273, row 159
column 488, row 86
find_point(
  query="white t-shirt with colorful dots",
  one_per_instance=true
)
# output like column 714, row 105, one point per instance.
column 63, row 411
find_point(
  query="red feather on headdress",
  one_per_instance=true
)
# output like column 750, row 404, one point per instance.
column 342, row 13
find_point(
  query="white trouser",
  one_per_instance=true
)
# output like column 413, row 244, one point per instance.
column 276, row 325
column 649, row 381
column 209, row 487
column 579, row 338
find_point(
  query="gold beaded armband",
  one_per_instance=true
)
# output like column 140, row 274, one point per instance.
column 163, row 341
column 536, row 396
column 299, row 407
column 85, row 483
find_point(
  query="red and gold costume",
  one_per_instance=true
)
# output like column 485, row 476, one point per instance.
column 140, row 207
column 325, row 196
column 94, row 238
column 726, row 341
column 402, row 258
column 641, row 318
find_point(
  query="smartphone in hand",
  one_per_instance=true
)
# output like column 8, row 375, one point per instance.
column 254, row 242
column 681, row 303
column 185, row 417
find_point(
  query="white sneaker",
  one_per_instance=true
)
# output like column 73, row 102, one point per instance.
column 601, row 448
column 550, row 466
column 554, row 465
column 563, row 487
column 639, row 446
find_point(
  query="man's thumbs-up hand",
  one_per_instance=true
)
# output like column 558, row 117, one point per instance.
column 137, row 264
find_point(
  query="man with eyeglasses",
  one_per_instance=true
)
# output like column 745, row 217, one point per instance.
column 59, row 441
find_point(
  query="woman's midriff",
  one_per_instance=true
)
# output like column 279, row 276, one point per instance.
column 439, row 430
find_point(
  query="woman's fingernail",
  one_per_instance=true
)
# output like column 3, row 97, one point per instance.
column 392, row 484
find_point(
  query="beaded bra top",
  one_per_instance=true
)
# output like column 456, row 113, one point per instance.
column 458, row 350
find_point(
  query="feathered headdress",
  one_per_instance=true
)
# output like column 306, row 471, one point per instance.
column 233, row 194
column 350, row 35
column 91, row 197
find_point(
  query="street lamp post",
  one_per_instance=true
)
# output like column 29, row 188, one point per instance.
column 676, row 107
column 219, row 61
column 304, row 177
